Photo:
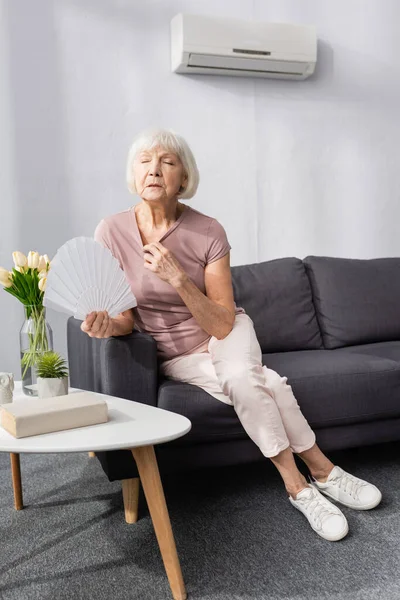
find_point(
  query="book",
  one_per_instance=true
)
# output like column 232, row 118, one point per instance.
column 47, row 415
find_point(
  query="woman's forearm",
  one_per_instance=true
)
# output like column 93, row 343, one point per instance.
column 216, row 320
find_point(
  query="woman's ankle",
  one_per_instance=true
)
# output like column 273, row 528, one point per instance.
column 293, row 490
column 321, row 475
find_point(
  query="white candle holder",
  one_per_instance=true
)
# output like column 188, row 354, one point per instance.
column 6, row 387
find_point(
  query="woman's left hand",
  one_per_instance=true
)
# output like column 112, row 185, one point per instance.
column 162, row 262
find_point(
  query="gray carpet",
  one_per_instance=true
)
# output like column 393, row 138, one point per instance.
column 237, row 535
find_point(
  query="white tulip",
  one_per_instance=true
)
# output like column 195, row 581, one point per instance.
column 21, row 269
column 33, row 260
column 19, row 259
column 42, row 273
column 47, row 260
column 42, row 284
column 42, row 263
column 5, row 278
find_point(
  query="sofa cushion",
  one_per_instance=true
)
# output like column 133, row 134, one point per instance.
column 383, row 349
column 211, row 419
column 277, row 296
column 357, row 300
column 332, row 387
column 340, row 387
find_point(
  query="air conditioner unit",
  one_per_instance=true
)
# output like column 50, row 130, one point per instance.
column 209, row 45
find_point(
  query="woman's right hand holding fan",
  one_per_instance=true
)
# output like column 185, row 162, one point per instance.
column 98, row 324
column 101, row 325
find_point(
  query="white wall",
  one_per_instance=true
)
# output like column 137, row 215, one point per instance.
column 289, row 168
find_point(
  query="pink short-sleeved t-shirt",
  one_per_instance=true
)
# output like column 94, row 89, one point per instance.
column 195, row 240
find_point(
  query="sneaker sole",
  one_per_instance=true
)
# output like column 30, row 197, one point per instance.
column 365, row 507
column 335, row 538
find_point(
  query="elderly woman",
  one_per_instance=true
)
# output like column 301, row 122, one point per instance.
column 177, row 262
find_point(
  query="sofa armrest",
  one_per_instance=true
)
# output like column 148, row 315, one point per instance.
column 124, row 366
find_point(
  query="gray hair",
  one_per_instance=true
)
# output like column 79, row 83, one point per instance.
column 173, row 142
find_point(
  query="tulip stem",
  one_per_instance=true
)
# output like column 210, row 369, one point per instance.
column 38, row 342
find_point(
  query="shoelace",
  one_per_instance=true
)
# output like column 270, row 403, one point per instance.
column 344, row 480
column 325, row 510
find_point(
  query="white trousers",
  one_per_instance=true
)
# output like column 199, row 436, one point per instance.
column 231, row 370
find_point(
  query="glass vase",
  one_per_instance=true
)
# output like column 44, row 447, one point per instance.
column 36, row 337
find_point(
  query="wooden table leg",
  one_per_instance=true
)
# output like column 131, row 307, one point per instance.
column 130, row 494
column 16, row 480
column 146, row 462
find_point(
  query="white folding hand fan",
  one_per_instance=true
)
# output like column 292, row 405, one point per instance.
column 84, row 277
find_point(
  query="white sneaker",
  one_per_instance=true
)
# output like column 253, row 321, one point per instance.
column 324, row 517
column 349, row 490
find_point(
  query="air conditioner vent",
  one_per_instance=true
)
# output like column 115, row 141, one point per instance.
column 233, row 63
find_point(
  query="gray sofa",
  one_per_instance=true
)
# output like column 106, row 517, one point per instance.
column 331, row 325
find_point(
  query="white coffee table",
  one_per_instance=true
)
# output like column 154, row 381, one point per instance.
column 132, row 426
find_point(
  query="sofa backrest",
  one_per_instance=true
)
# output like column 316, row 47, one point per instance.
column 357, row 301
column 276, row 294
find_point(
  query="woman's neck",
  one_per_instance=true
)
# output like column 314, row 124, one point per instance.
column 157, row 216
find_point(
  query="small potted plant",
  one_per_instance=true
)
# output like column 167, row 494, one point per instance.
column 52, row 375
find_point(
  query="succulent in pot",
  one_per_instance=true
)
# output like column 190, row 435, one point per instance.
column 52, row 375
